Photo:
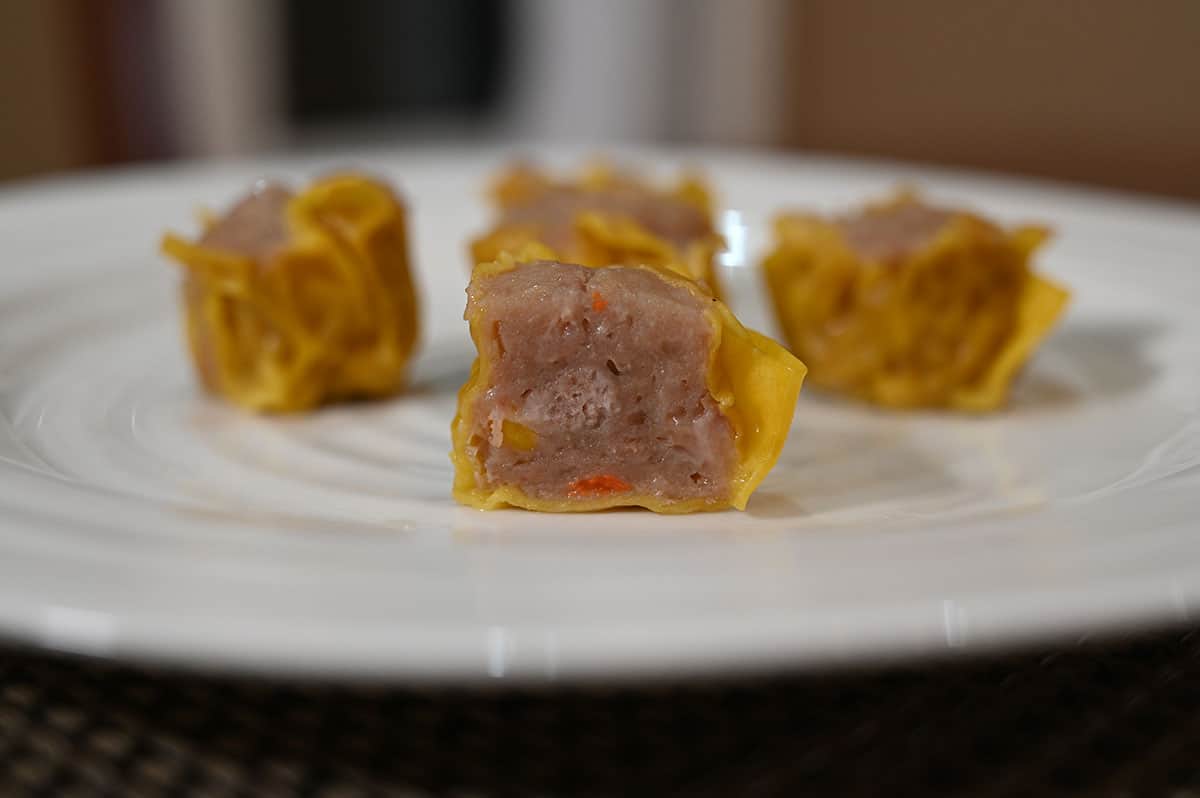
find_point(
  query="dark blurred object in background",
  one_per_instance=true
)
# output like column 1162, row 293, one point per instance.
column 394, row 58
column 1102, row 92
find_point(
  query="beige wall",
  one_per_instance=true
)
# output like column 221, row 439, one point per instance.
column 45, row 124
column 1106, row 91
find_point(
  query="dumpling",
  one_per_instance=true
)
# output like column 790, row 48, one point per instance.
column 623, row 385
column 295, row 300
column 605, row 217
column 908, row 305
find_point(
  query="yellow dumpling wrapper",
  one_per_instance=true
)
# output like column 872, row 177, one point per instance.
column 599, row 232
column 753, row 379
column 945, row 322
column 328, row 313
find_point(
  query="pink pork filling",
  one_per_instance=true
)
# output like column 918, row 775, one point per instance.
column 555, row 210
column 892, row 232
column 608, row 368
column 255, row 226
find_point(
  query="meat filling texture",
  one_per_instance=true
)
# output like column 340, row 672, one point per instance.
column 555, row 210
column 255, row 226
column 597, row 386
column 893, row 231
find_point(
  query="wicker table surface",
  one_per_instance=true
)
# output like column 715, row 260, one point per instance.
column 1097, row 719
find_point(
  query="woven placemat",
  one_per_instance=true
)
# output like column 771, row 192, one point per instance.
column 1094, row 719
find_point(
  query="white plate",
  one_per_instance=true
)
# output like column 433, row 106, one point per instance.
column 139, row 519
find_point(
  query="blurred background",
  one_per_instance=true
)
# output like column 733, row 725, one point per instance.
column 1104, row 91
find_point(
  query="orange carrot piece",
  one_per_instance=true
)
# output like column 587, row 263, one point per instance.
column 601, row 485
column 599, row 303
